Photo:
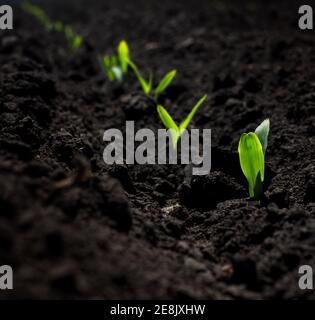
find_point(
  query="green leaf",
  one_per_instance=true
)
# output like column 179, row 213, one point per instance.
column 106, row 66
column 149, row 84
column 166, row 118
column 76, row 42
column 169, row 124
column 252, row 162
column 164, row 83
column 146, row 86
column 58, row 26
column 123, row 54
column 106, row 62
column 110, row 75
column 68, row 32
column 262, row 132
column 113, row 61
column 191, row 115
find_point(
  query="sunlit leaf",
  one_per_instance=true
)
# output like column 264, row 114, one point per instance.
column 76, row 42
column 252, row 161
column 164, row 83
column 123, row 55
column 145, row 85
column 191, row 115
column 169, row 124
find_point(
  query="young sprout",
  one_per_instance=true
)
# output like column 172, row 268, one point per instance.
column 147, row 86
column 252, row 148
column 74, row 39
column 169, row 123
column 116, row 66
column 58, row 26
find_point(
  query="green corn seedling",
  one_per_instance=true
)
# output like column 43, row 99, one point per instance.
column 74, row 39
column 115, row 67
column 57, row 26
column 169, row 123
column 147, row 86
column 252, row 148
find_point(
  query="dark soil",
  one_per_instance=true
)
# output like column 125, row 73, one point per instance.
column 73, row 227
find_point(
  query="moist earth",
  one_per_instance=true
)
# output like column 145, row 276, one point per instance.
column 73, row 227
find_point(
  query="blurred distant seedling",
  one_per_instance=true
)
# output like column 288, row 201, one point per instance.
column 74, row 40
column 115, row 67
column 169, row 123
column 38, row 13
column 252, row 148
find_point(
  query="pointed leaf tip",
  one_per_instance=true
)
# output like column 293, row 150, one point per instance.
column 123, row 54
column 165, row 83
column 191, row 115
column 262, row 132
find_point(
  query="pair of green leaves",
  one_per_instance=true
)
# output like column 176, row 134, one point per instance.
column 147, row 86
column 252, row 148
column 116, row 66
column 74, row 40
column 169, row 123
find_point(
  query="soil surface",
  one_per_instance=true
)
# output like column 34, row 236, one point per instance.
column 73, row 227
